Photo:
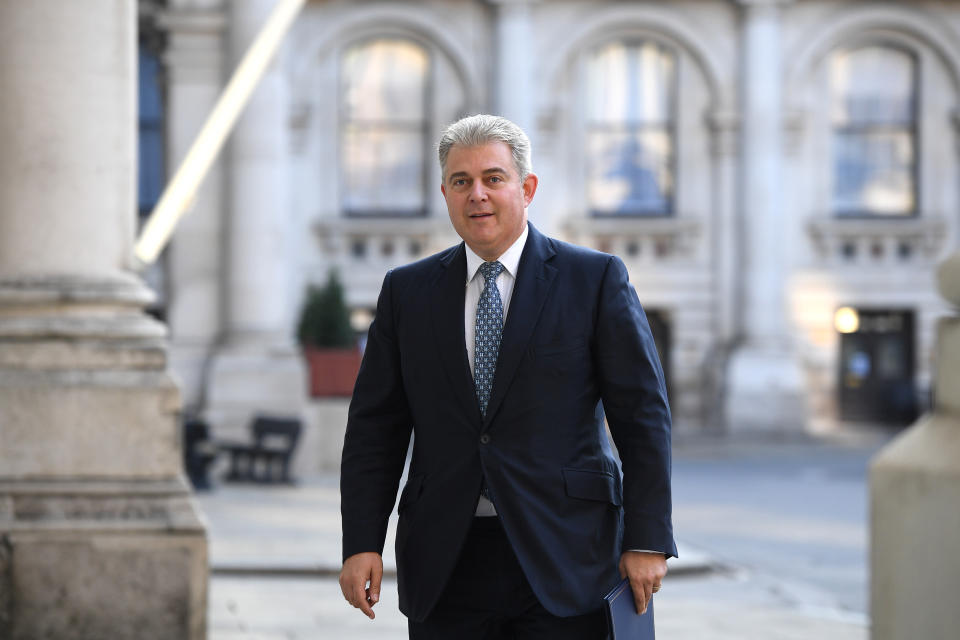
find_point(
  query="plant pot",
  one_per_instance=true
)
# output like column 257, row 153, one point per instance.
column 333, row 372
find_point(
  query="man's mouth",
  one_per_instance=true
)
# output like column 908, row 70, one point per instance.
column 481, row 214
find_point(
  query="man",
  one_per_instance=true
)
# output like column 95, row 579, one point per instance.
column 502, row 355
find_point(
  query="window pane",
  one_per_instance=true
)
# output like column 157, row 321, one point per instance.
column 150, row 166
column 874, row 141
column 630, row 171
column 630, row 83
column 384, row 170
column 630, row 88
column 384, row 142
column 873, row 85
column 874, row 172
column 385, row 80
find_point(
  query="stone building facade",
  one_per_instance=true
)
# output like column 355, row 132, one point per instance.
column 758, row 164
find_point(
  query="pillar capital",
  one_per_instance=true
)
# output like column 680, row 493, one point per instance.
column 724, row 127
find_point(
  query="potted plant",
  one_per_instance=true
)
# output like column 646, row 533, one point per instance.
column 328, row 340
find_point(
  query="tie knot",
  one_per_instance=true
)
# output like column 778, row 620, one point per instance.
column 491, row 270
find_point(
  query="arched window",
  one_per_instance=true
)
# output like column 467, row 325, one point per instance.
column 630, row 129
column 873, row 113
column 384, row 115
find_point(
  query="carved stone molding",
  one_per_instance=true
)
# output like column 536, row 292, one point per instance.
column 878, row 242
column 73, row 307
column 639, row 239
column 336, row 234
column 59, row 506
column 724, row 127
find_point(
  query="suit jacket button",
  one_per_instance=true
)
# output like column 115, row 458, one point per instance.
column 485, row 439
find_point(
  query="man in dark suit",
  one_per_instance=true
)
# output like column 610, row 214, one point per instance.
column 503, row 355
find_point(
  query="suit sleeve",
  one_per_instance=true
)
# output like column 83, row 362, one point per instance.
column 377, row 436
column 634, row 397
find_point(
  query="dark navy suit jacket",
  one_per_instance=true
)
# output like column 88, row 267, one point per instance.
column 575, row 343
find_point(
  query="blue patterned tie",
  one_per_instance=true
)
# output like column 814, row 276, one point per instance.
column 489, row 330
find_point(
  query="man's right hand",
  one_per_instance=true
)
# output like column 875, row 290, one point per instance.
column 357, row 571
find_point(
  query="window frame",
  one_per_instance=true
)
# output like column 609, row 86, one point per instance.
column 670, row 129
column 913, row 130
column 344, row 122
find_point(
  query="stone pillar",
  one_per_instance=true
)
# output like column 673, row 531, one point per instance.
column 764, row 380
column 195, row 269
column 914, row 498
column 258, row 367
column 724, row 127
column 724, row 147
column 514, row 81
column 99, row 536
column 513, row 58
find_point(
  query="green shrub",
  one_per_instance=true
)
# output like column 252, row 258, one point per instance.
column 324, row 318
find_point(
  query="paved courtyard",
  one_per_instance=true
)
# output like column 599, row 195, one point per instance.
column 773, row 542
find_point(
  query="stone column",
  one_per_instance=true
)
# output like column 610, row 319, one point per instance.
column 513, row 59
column 514, row 81
column 99, row 537
column 764, row 381
column 194, row 64
column 914, row 498
column 724, row 146
column 258, row 367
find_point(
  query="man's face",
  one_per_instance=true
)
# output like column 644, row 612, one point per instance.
column 486, row 200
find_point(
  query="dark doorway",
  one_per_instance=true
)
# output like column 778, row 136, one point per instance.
column 876, row 377
column 660, row 328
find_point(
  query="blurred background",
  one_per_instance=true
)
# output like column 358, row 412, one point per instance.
column 779, row 176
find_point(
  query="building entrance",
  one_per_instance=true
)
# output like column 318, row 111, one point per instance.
column 876, row 377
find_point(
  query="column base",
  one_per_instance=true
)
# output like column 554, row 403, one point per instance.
column 99, row 534
column 765, row 392
column 249, row 379
column 914, row 546
column 101, row 559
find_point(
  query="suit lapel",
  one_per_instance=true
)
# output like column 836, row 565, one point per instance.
column 534, row 279
column 449, row 290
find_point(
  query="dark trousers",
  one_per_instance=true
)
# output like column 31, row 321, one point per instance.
column 488, row 598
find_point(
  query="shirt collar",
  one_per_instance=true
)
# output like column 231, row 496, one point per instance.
column 510, row 259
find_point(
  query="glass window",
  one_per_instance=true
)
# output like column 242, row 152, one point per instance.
column 630, row 139
column 873, row 112
column 150, row 174
column 384, row 136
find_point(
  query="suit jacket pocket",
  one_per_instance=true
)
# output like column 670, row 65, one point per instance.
column 557, row 348
column 587, row 484
column 411, row 492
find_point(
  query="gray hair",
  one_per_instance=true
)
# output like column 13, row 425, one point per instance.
column 481, row 129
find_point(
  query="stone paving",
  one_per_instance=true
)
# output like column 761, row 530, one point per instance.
column 275, row 552
column 718, row 606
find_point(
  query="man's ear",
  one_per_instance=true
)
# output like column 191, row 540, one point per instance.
column 529, row 188
column 443, row 189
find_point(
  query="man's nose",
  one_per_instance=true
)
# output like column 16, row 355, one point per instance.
column 478, row 193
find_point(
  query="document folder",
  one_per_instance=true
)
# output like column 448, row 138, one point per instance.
column 622, row 617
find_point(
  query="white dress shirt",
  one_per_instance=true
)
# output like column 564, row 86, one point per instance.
column 474, row 285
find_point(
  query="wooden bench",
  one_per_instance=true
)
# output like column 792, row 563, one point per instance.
column 267, row 458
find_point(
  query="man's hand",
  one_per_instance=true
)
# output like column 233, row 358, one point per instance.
column 357, row 571
column 645, row 571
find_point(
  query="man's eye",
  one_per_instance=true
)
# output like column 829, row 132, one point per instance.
column 459, row 182
column 496, row 179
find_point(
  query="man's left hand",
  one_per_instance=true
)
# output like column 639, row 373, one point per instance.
column 645, row 571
